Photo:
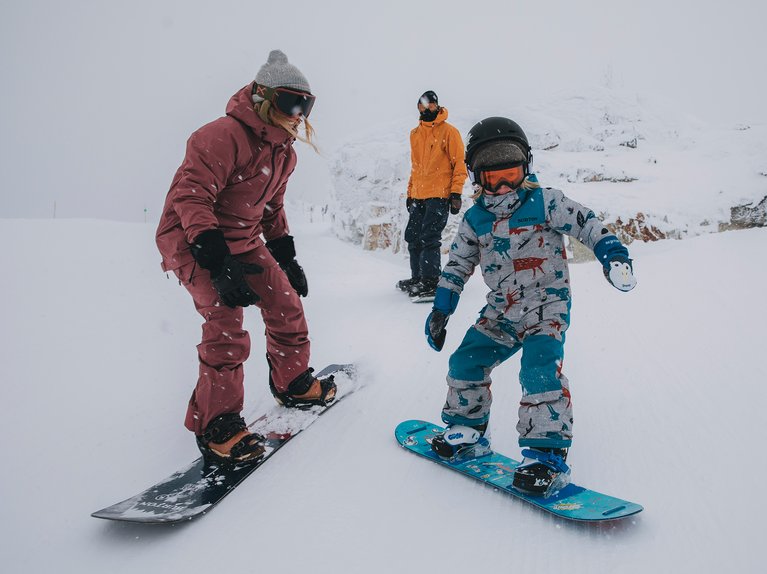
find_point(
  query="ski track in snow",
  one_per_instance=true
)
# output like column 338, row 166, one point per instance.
column 98, row 357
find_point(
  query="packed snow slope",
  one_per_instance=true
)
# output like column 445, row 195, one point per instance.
column 98, row 360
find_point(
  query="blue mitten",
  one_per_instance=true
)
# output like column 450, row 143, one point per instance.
column 620, row 273
column 445, row 302
column 614, row 257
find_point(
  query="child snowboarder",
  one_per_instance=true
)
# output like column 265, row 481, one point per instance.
column 514, row 232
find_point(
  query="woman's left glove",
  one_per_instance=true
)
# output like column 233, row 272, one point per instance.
column 284, row 251
column 620, row 273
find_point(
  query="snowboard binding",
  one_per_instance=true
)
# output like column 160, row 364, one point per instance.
column 460, row 442
column 227, row 440
column 299, row 393
column 543, row 472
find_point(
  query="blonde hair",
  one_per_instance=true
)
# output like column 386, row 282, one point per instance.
column 526, row 184
column 268, row 115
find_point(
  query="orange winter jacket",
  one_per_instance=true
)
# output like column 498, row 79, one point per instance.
column 436, row 156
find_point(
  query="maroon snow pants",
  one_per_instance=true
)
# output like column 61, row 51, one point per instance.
column 226, row 345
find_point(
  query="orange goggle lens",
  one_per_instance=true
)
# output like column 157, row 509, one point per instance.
column 509, row 176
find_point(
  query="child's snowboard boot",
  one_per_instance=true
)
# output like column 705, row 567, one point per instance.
column 227, row 439
column 306, row 391
column 543, row 471
column 460, row 441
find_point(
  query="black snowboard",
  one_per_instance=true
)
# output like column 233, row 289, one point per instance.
column 193, row 491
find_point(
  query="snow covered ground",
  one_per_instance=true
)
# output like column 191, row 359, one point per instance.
column 97, row 354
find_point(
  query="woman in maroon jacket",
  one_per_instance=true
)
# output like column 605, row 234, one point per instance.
column 226, row 195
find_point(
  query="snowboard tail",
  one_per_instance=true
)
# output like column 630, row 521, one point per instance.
column 194, row 490
column 421, row 298
column 573, row 502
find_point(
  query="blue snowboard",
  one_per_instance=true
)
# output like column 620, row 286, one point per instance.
column 572, row 502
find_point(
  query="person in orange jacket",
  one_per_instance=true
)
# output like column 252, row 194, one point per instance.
column 436, row 179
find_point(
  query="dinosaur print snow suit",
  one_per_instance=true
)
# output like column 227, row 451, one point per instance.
column 517, row 239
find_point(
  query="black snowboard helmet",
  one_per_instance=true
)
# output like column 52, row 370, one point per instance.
column 496, row 130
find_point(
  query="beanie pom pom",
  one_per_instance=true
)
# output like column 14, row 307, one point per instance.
column 277, row 57
column 278, row 72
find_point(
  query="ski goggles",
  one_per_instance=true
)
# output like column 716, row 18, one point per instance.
column 491, row 180
column 288, row 101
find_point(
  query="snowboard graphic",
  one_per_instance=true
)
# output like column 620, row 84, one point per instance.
column 196, row 489
column 572, row 502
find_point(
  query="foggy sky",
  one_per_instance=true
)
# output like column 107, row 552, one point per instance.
column 99, row 97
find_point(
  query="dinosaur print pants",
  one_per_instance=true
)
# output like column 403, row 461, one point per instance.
column 545, row 411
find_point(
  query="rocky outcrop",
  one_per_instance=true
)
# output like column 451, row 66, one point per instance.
column 748, row 215
column 636, row 228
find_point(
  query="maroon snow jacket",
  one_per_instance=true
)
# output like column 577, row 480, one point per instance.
column 233, row 177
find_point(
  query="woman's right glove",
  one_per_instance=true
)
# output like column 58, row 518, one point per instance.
column 227, row 274
column 445, row 303
column 231, row 284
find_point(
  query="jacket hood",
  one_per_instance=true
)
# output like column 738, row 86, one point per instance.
column 240, row 107
column 441, row 117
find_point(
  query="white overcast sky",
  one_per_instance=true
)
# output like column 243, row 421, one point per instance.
column 98, row 96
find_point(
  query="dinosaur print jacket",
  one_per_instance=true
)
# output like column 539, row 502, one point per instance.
column 518, row 240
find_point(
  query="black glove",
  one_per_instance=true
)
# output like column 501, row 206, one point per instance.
column 284, row 251
column 231, row 284
column 408, row 203
column 297, row 277
column 211, row 252
column 455, row 203
column 435, row 329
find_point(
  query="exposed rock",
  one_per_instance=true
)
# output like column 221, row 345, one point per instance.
column 588, row 175
column 380, row 231
column 635, row 228
column 748, row 215
column 632, row 143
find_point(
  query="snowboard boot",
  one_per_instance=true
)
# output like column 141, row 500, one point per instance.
column 424, row 288
column 306, row 391
column 460, row 441
column 405, row 284
column 227, row 439
column 543, row 472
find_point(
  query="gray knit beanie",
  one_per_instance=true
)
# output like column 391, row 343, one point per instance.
column 279, row 73
column 498, row 152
